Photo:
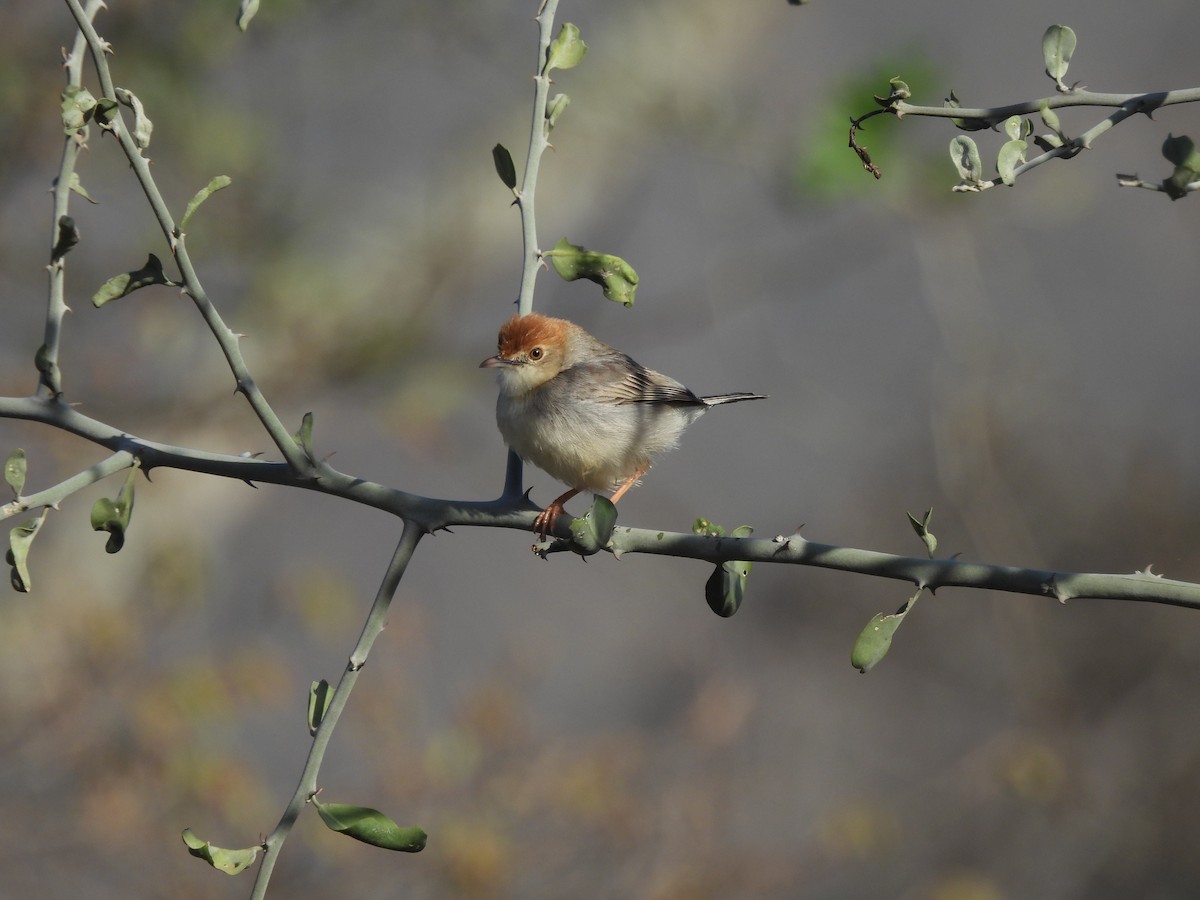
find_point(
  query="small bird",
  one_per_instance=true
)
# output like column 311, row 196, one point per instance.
column 584, row 412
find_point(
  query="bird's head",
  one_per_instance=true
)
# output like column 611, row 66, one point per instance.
column 532, row 349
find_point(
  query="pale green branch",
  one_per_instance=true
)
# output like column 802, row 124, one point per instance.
column 56, row 307
column 1145, row 103
column 225, row 337
column 372, row 628
column 52, row 496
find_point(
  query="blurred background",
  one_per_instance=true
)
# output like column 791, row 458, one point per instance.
column 1023, row 361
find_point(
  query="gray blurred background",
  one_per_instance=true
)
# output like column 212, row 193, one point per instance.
column 1022, row 361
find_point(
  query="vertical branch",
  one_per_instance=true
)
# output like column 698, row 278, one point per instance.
column 56, row 307
column 537, row 146
column 226, row 338
column 538, row 130
column 371, row 629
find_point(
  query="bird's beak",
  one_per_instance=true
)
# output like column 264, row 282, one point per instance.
column 494, row 362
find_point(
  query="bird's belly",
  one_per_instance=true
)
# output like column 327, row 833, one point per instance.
column 587, row 446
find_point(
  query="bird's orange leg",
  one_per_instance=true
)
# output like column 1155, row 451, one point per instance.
column 544, row 523
column 628, row 483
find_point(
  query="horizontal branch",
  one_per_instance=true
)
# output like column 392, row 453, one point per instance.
column 1136, row 103
column 433, row 514
column 925, row 573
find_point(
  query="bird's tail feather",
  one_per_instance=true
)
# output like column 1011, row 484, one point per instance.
column 718, row 399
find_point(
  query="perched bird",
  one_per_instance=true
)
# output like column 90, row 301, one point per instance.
column 586, row 413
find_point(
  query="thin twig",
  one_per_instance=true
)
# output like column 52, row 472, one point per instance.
column 372, row 628
column 225, row 337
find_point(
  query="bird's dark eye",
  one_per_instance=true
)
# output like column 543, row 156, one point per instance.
column 536, row 353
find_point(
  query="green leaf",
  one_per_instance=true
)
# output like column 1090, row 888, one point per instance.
column 726, row 587
column 246, row 11
column 303, row 437
column 1058, row 44
column 592, row 531
column 1180, row 152
column 900, row 90
column 120, row 285
column 615, row 276
column 921, row 527
column 874, row 641
column 142, row 126
column 20, row 540
column 66, row 239
column 1050, row 119
column 504, row 166
column 231, row 862
column 113, row 516
column 708, row 528
column 555, row 108
column 566, row 51
column 1012, row 154
column 77, row 186
column 319, row 696
column 105, row 112
column 966, row 159
column 220, row 181
column 77, row 106
column 370, row 826
column 48, row 370
column 14, row 471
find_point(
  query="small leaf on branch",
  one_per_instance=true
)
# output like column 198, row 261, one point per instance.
column 142, row 126
column 20, row 540
column 615, row 276
column 1058, row 45
column 1012, row 154
column 77, row 106
column 1050, row 119
column 900, row 89
column 231, row 862
column 921, row 527
column 48, row 370
column 105, row 112
column 68, row 237
column 303, row 437
column 726, row 587
column 370, row 826
column 566, row 51
column 77, row 186
column 1181, row 153
column 504, row 166
column 319, row 696
column 113, row 516
column 246, row 11
column 592, row 531
column 874, row 641
column 15, row 467
column 966, row 159
column 1014, row 127
column 120, row 285
column 558, row 103
column 220, row 181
